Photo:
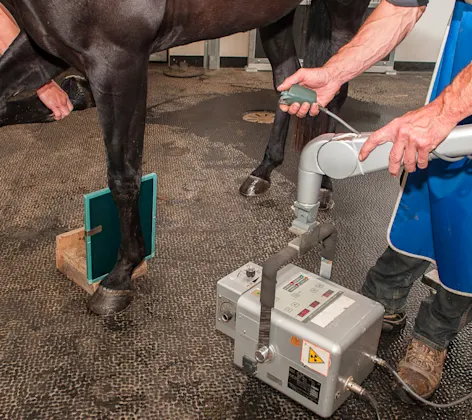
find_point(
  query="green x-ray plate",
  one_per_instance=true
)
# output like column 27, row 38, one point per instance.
column 102, row 227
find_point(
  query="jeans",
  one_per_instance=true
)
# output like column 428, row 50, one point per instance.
column 440, row 317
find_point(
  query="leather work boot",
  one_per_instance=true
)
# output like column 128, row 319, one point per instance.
column 393, row 322
column 421, row 369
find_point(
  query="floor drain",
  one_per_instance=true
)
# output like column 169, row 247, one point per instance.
column 259, row 117
column 183, row 70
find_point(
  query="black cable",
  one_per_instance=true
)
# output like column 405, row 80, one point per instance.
column 372, row 401
column 363, row 393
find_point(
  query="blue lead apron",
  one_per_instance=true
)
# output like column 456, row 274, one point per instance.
column 433, row 216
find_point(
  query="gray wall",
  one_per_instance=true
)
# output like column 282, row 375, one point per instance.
column 424, row 42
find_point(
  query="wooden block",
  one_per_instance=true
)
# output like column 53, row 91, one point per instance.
column 71, row 259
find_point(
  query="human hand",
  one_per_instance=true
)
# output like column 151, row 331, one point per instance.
column 317, row 79
column 56, row 100
column 414, row 135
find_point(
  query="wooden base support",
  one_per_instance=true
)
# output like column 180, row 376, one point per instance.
column 71, row 259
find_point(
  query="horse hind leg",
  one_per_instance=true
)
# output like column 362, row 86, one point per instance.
column 346, row 19
column 279, row 46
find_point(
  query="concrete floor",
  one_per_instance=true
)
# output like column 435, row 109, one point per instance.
column 162, row 359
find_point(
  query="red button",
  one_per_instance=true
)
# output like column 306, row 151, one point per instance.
column 303, row 313
column 314, row 304
column 328, row 293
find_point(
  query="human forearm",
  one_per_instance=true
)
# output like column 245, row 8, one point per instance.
column 417, row 133
column 9, row 29
column 455, row 102
column 385, row 28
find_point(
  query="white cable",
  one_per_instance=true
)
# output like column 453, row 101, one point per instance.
column 353, row 130
column 338, row 119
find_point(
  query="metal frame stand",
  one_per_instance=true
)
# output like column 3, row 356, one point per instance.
column 159, row 57
column 211, row 58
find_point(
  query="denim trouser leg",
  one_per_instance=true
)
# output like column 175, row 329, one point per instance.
column 440, row 317
column 389, row 281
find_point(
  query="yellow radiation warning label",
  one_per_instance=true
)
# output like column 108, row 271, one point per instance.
column 315, row 358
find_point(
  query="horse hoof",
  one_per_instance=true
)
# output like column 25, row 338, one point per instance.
column 326, row 200
column 79, row 92
column 108, row 301
column 254, row 186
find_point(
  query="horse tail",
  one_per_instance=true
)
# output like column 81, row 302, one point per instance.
column 317, row 52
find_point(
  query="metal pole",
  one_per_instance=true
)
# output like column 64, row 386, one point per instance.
column 211, row 59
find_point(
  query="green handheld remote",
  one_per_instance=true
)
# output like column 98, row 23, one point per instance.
column 298, row 94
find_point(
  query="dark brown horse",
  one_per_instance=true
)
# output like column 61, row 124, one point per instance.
column 110, row 43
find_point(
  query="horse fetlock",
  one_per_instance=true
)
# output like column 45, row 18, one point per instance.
column 262, row 172
column 137, row 257
column 120, row 277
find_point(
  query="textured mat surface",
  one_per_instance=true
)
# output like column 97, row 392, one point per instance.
column 163, row 358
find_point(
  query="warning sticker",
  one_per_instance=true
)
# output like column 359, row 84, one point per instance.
column 295, row 341
column 315, row 358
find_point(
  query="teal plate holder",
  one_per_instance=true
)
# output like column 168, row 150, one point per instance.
column 102, row 227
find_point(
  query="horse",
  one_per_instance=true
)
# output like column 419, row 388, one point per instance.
column 113, row 55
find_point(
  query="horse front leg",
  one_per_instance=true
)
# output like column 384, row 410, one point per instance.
column 121, row 104
column 24, row 67
column 279, row 46
column 31, row 110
